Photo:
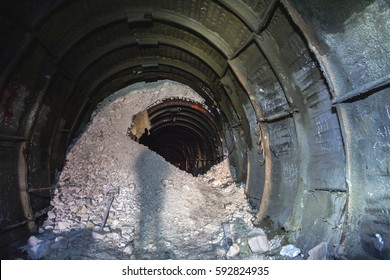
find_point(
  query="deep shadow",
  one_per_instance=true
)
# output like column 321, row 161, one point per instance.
column 75, row 244
column 152, row 181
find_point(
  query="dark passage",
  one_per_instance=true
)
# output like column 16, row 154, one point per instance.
column 185, row 133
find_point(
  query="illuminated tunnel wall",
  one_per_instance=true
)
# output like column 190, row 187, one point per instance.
column 301, row 87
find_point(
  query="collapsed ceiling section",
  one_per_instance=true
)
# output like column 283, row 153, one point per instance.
column 279, row 74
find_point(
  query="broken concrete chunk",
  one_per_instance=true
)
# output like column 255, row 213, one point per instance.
column 62, row 225
column 258, row 244
column 290, row 251
column 129, row 248
column 234, row 250
column 33, row 241
column 319, row 252
column 51, row 215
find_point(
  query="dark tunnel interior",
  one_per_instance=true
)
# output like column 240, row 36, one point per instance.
column 186, row 134
column 298, row 92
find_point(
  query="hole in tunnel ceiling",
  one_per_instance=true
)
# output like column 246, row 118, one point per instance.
column 182, row 131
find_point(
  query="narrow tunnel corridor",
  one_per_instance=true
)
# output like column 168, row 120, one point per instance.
column 185, row 134
column 297, row 92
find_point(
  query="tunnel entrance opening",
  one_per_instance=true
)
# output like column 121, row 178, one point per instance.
column 185, row 133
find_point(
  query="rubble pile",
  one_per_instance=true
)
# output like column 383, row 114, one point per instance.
column 116, row 199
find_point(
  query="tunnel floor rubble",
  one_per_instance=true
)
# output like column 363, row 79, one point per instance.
column 116, row 199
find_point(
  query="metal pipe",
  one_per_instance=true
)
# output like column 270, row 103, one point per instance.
column 363, row 90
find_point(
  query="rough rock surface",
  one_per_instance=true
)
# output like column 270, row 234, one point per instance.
column 116, row 199
column 258, row 243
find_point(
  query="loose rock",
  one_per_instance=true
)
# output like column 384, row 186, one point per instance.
column 234, row 250
column 157, row 206
column 258, row 244
column 33, row 241
column 62, row 225
column 290, row 251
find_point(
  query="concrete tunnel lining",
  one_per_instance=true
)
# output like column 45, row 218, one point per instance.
column 272, row 68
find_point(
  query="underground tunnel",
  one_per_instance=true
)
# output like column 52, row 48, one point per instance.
column 185, row 134
column 297, row 92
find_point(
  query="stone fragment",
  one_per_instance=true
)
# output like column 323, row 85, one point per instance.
column 51, row 215
column 62, row 226
column 47, row 223
column 258, row 244
column 290, row 251
column 234, row 250
column 129, row 248
column 319, row 252
column 97, row 235
column 33, row 241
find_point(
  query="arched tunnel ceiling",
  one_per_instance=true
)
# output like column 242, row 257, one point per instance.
column 299, row 93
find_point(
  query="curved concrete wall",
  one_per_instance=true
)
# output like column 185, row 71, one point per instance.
column 302, row 87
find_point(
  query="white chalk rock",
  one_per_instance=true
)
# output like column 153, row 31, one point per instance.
column 290, row 251
column 33, row 241
column 258, row 244
column 62, row 226
column 51, row 215
column 234, row 250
